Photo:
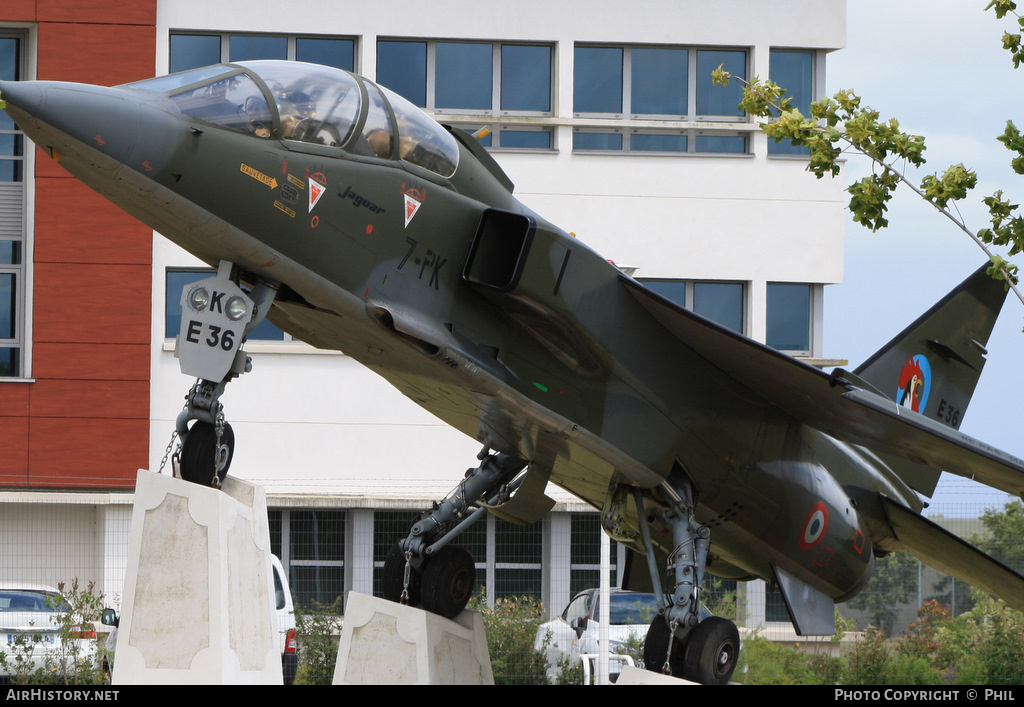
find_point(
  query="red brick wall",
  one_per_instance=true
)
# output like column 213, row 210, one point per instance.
column 84, row 422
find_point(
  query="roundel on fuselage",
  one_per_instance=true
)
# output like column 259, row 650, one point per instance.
column 814, row 527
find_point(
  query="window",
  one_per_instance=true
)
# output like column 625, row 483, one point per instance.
column 311, row 547
column 789, row 318
column 191, row 51
column 503, row 81
column 656, row 83
column 679, row 141
column 12, row 219
column 517, row 558
column 585, row 552
column 468, row 77
column 721, row 302
column 793, row 71
column 175, row 282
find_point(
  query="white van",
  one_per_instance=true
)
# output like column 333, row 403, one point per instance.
column 285, row 621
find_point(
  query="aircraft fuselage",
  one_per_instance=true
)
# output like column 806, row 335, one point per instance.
column 485, row 314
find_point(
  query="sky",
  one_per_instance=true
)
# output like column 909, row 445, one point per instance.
column 938, row 67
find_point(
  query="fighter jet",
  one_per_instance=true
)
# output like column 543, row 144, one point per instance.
column 355, row 222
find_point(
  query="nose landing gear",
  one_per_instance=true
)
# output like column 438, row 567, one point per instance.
column 217, row 315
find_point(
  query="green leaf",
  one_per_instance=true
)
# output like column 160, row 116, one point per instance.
column 1001, row 7
column 953, row 185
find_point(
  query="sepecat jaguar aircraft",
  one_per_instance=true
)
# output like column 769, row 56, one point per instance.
column 355, row 222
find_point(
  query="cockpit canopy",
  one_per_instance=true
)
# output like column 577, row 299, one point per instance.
column 311, row 104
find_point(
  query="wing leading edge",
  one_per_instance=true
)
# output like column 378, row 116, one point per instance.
column 832, row 404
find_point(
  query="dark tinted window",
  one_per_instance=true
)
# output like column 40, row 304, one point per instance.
column 597, row 80
column 190, row 51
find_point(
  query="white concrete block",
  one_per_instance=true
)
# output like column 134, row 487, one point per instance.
column 198, row 598
column 638, row 676
column 384, row 643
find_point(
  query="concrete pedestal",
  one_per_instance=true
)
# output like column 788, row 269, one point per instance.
column 198, row 605
column 384, row 643
column 639, row 676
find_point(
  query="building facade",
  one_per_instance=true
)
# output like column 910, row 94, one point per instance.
column 604, row 117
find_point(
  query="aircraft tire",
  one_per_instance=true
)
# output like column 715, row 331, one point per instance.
column 655, row 646
column 393, row 580
column 197, row 453
column 712, row 650
column 448, row 581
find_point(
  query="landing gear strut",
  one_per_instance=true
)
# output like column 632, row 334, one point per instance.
column 217, row 315
column 678, row 642
column 422, row 568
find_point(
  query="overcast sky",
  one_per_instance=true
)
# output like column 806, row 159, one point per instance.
column 938, row 67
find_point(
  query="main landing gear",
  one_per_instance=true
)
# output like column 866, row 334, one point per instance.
column 683, row 639
column 422, row 569
column 217, row 315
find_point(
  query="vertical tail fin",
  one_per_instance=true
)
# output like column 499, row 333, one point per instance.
column 933, row 366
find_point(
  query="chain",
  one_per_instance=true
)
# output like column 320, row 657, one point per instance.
column 666, row 669
column 218, row 427
column 407, row 575
column 167, row 452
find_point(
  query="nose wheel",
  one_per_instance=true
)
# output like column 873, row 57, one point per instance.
column 205, row 456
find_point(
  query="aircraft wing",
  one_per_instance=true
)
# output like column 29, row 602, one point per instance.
column 938, row 548
column 832, row 404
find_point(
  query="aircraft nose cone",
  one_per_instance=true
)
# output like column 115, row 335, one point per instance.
column 97, row 125
column 22, row 97
column 93, row 115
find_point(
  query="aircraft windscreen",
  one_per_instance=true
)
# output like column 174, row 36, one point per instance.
column 235, row 102
column 316, row 104
column 163, row 84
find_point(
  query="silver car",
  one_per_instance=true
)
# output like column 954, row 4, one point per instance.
column 31, row 617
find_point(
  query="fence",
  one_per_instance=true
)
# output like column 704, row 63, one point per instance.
column 330, row 546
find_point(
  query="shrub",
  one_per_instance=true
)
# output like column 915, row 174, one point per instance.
column 511, row 626
column 315, row 628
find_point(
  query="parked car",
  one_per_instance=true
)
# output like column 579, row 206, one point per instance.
column 31, row 618
column 576, row 631
column 285, row 623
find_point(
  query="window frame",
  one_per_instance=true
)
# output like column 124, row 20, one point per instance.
column 282, row 544
column 291, row 46
column 690, row 135
column 812, row 306
column 693, row 82
column 785, row 149
column 19, row 195
column 495, row 111
column 497, row 118
column 689, row 297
